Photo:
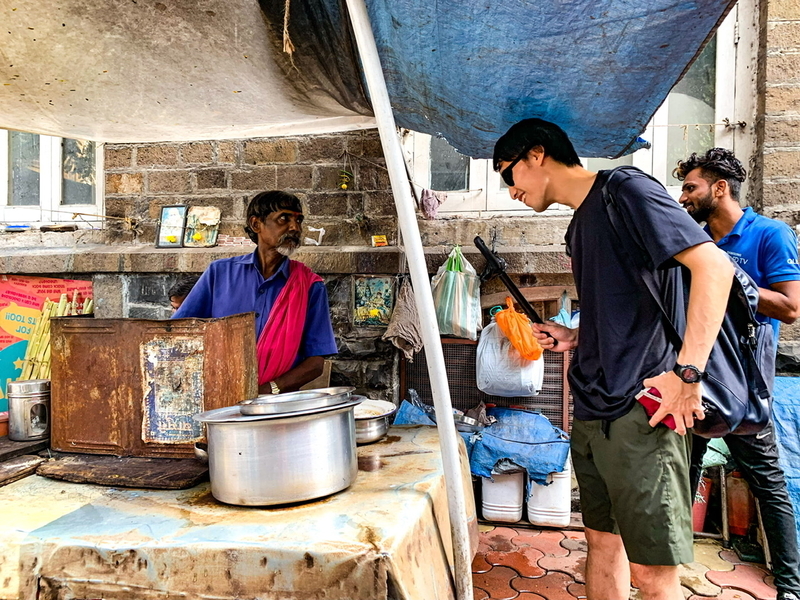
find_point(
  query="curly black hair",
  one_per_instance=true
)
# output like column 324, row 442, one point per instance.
column 716, row 164
column 265, row 203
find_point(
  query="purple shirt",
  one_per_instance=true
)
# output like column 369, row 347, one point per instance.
column 235, row 285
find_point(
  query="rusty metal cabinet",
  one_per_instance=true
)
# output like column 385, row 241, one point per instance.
column 129, row 387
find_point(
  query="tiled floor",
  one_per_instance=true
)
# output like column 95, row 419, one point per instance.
column 532, row 564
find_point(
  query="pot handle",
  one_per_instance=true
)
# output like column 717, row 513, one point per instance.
column 201, row 451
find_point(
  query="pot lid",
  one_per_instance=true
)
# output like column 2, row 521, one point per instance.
column 373, row 409
column 272, row 404
column 31, row 386
column 233, row 414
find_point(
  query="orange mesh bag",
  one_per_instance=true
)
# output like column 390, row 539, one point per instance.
column 517, row 328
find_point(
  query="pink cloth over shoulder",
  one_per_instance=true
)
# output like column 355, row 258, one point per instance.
column 279, row 341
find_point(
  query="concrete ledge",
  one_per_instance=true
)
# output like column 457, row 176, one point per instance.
column 98, row 258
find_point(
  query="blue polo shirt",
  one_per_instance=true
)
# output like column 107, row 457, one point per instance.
column 235, row 285
column 766, row 249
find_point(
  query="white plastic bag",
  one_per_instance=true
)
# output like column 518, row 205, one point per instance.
column 500, row 369
column 457, row 297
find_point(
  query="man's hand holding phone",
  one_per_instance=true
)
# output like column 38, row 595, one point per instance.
column 682, row 401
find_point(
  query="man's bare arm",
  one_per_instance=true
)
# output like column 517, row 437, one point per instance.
column 780, row 301
column 295, row 378
column 712, row 275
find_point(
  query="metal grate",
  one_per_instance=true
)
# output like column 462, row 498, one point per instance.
column 459, row 355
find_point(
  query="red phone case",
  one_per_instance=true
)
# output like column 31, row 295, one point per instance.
column 651, row 405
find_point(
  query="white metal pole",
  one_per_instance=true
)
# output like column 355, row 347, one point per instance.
column 407, row 219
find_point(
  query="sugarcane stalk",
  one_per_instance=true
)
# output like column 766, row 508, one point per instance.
column 73, row 306
column 62, row 305
column 36, row 341
column 88, row 306
column 44, row 367
column 34, row 337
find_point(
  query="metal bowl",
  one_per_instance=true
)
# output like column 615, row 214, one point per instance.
column 467, row 424
column 372, row 419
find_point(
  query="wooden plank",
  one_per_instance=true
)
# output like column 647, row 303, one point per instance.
column 148, row 473
column 18, row 467
column 532, row 294
column 10, row 449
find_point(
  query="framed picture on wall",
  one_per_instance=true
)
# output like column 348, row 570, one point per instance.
column 171, row 226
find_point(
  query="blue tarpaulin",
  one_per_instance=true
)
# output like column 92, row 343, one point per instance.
column 463, row 69
column 786, row 414
column 468, row 70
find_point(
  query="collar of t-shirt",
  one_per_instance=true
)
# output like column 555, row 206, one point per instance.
column 748, row 216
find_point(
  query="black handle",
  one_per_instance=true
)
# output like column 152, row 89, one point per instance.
column 496, row 266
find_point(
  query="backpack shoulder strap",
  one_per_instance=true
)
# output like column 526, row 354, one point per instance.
column 631, row 250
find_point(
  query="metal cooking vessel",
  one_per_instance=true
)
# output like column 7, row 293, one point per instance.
column 264, row 460
column 371, row 428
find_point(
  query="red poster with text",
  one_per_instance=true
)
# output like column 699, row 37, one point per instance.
column 21, row 301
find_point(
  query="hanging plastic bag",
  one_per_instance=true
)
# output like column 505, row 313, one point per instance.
column 517, row 328
column 457, row 297
column 563, row 317
column 500, row 369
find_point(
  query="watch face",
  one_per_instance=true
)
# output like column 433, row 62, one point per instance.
column 689, row 375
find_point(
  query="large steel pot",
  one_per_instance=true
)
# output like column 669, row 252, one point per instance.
column 263, row 460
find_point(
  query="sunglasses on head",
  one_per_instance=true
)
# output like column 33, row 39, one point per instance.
column 507, row 174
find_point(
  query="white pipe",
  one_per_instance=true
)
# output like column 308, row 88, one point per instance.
column 407, row 219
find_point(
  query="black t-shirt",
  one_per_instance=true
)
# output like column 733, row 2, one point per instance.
column 622, row 336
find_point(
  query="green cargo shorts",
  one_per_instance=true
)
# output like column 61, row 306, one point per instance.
column 635, row 483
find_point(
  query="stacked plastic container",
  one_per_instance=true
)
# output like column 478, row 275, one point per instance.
column 548, row 505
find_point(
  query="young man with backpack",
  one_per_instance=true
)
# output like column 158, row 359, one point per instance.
column 633, row 471
column 766, row 250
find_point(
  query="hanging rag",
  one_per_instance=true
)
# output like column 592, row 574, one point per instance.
column 404, row 330
column 279, row 341
column 431, row 201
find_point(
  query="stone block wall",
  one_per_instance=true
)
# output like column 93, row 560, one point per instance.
column 140, row 179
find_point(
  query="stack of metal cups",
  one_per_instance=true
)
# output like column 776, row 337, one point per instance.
column 28, row 409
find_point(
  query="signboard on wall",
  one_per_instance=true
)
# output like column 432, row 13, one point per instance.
column 21, row 302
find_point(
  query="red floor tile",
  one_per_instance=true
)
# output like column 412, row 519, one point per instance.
column 549, row 542
column 523, row 561
column 552, row 586
column 479, row 594
column 524, row 536
column 574, row 535
column 499, row 539
column 496, row 583
column 577, row 589
column 574, row 565
column 746, row 578
column 479, row 564
column 529, row 596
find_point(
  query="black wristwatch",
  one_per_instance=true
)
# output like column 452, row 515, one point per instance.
column 688, row 373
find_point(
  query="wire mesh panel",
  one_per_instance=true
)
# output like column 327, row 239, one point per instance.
column 459, row 357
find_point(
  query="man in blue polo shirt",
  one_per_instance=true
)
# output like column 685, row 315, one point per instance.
column 766, row 250
column 293, row 323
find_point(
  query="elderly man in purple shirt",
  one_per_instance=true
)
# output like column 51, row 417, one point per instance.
column 293, row 323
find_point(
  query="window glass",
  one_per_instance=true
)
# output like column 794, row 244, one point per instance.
column 24, row 158
column 691, row 110
column 78, row 159
column 449, row 169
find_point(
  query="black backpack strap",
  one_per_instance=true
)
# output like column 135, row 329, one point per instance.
column 634, row 253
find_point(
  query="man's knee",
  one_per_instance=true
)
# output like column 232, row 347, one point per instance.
column 603, row 542
column 653, row 577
